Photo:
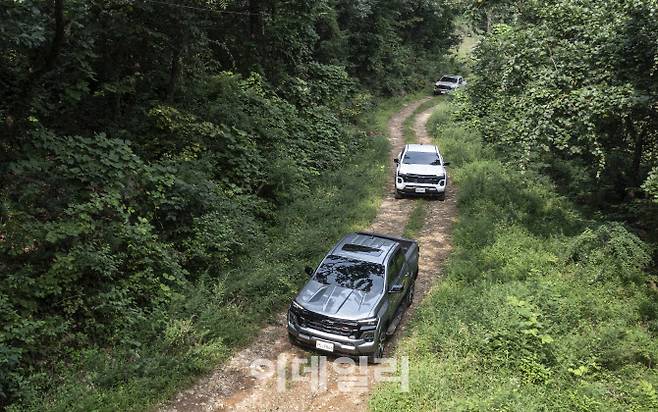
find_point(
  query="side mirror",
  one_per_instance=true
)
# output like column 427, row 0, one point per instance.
column 397, row 288
column 446, row 163
column 396, row 160
column 309, row 271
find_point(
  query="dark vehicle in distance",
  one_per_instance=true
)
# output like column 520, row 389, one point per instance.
column 356, row 296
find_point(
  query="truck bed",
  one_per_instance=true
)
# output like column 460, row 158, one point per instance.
column 409, row 246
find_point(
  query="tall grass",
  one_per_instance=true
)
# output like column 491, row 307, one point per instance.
column 541, row 309
column 416, row 219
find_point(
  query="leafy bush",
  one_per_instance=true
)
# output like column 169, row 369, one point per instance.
column 610, row 251
column 584, row 111
column 230, row 251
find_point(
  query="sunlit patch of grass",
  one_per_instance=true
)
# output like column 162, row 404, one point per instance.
column 408, row 124
column 416, row 219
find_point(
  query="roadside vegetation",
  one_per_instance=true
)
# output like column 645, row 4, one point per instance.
column 539, row 308
column 204, row 321
column 550, row 299
column 570, row 89
column 416, row 219
column 167, row 168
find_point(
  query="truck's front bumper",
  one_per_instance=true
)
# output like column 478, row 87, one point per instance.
column 421, row 189
column 438, row 92
column 342, row 345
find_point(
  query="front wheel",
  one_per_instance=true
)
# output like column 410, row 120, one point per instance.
column 379, row 351
column 398, row 195
column 410, row 294
column 442, row 196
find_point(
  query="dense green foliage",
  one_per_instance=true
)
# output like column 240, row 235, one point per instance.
column 538, row 309
column 570, row 88
column 163, row 163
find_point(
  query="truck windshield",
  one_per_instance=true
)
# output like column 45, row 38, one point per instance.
column 421, row 158
column 351, row 273
column 448, row 79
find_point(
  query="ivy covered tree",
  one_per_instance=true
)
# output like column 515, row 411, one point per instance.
column 571, row 86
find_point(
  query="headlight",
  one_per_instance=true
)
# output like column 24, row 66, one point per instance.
column 366, row 323
column 292, row 318
column 296, row 307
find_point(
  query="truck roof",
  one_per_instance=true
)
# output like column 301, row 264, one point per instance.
column 422, row 148
column 367, row 247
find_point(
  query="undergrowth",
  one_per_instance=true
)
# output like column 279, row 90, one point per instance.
column 163, row 352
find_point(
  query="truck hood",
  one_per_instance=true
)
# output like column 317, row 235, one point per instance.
column 338, row 302
column 425, row 170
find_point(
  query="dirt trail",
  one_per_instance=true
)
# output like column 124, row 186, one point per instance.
column 232, row 387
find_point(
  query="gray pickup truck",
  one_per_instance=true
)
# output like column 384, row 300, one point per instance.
column 356, row 296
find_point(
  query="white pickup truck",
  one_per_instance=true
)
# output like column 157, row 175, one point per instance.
column 421, row 171
column 448, row 84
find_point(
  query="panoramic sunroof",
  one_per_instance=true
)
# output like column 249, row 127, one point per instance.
column 350, row 247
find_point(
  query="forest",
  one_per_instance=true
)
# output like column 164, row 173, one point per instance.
column 164, row 164
column 150, row 152
column 570, row 89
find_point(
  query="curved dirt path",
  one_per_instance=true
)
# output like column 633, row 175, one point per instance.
column 233, row 388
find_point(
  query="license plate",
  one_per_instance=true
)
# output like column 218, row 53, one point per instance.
column 324, row 345
column 420, row 190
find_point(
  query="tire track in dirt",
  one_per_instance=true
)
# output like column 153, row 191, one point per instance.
column 231, row 386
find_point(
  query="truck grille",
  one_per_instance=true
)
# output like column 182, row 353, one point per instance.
column 326, row 324
column 423, row 179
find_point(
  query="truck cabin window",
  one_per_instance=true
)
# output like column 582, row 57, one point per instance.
column 421, row 158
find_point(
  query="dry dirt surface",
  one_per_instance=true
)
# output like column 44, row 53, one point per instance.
column 329, row 385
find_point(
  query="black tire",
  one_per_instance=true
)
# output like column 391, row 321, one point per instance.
column 398, row 195
column 441, row 196
column 379, row 351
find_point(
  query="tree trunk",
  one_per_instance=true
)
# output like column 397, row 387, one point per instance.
column 489, row 15
column 58, row 40
column 254, row 18
column 637, row 158
column 22, row 102
column 174, row 73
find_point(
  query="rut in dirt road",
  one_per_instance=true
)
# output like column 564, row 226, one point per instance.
column 231, row 386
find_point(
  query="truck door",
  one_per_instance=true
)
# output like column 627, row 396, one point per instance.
column 397, row 274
